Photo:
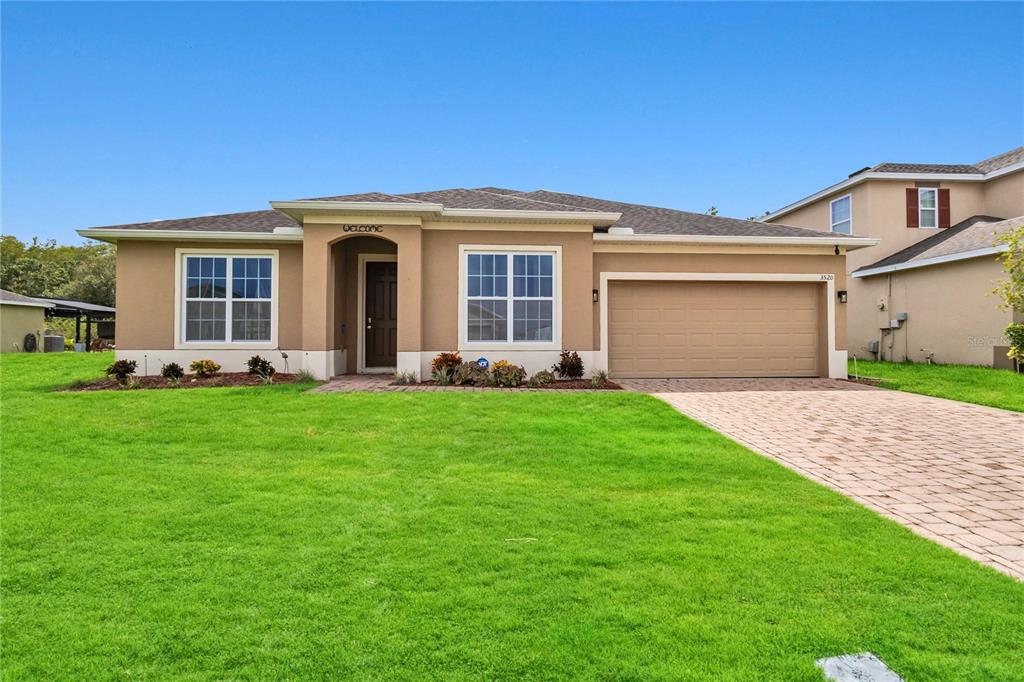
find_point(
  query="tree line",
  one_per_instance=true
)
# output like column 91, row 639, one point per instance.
column 46, row 268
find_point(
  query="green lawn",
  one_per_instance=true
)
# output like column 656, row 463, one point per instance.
column 982, row 385
column 267, row 533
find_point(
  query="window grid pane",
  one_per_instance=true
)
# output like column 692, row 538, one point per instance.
column 250, row 278
column 206, row 277
column 487, row 320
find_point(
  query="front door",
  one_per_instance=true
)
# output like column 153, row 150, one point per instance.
column 381, row 339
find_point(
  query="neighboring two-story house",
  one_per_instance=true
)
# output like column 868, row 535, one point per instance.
column 924, row 292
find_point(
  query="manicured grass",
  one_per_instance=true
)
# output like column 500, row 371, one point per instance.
column 981, row 385
column 267, row 533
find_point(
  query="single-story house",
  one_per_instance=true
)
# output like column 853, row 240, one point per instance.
column 20, row 317
column 382, row 282
column 944, row 285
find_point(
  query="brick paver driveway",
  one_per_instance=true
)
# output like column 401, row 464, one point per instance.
column 950, row 471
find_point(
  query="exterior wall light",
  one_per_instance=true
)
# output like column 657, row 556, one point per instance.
column 842, row 296
column 595, row 295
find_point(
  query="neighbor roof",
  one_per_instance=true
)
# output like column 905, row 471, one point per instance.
column 976, row 236
column 11, row 298
column 980, row 168
column 640, row 218
column 974, row 172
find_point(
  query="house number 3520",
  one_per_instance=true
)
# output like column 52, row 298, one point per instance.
column 827, row 278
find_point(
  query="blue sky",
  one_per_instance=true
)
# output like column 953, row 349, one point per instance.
column 117, row 113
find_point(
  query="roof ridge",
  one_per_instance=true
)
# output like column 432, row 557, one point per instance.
column 535, row 201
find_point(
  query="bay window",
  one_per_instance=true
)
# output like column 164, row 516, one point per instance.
column 509, row 297
column 227, row 298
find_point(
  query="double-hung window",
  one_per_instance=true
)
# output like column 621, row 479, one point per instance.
column 841, row 216
column 927, row 207
column 510, row 297
column 227, row 299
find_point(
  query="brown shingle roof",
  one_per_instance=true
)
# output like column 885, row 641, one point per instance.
column 490, row 199
column 977, row 232
column 642, row 219
column 251, row 221
column 986, row 166
column 1001, row 160
column 654, row 220
column 924, row 168
column 367, row 196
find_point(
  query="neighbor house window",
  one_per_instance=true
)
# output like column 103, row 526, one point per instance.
column 928, row 207
column 510, row 297
column 841, row 215
column 227, row 299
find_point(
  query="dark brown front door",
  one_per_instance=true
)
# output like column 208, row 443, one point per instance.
column 381, row 321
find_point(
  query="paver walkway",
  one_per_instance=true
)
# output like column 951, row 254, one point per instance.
column 384, row 383
column 952, row 472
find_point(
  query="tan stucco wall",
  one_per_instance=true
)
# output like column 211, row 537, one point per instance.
column 951, row 312
column 145, row 291
column 15, row 322
column 879, row 211
column 724, row 262
column 441, row 290
column 1004, row 196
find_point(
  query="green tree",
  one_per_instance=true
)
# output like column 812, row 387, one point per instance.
column 1011, row 289
column 45, row 268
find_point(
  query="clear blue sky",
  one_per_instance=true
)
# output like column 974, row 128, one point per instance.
column 117, row 113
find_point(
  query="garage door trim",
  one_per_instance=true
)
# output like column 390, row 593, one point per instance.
column 836, row 358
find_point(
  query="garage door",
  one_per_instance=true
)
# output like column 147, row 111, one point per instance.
column 713, row 329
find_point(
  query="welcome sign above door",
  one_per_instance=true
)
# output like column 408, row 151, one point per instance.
column 362, row 228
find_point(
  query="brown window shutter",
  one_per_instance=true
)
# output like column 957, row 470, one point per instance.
column 943, row 208
column 912, row 207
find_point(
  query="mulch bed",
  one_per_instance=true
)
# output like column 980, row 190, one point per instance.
column 558, row 385
column 188, row 381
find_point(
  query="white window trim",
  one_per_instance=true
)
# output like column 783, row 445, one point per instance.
column 832, row 223
column 179, row 300
column 920, row 191
column 556, row 290
column 363, row 259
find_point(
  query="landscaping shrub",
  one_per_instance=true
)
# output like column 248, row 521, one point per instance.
column 470, row 373
column 447, row 361
column 541, row 378
column 260, row 367
column 122, row 369
column 204, row 368
column 304, row 376
column 1015, row 332
column 599, row 379
column 173, row 372
column 569, row 365
column 405, row 378
column 443, row 376
column 507, row 375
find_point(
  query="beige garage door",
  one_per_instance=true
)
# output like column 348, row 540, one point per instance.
column 713, row 329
